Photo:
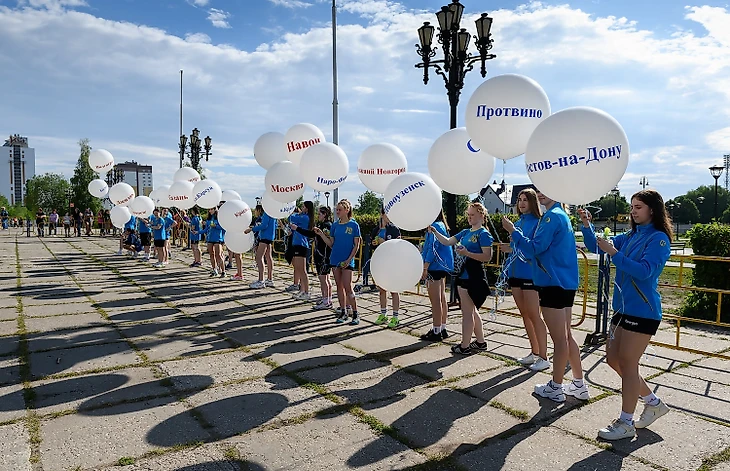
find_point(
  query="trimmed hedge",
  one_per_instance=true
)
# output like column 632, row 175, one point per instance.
column 712, row 240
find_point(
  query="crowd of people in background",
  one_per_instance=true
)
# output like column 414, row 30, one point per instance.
column 540, row 268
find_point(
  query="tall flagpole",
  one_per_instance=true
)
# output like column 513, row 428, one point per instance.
column 335, row 103
column 182, row 151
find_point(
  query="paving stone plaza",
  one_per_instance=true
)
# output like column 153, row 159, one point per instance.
column 106, row 362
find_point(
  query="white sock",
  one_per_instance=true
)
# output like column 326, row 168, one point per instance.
column 650, row 399
column 627, row 418
column 437, row 329
column 555, row 385
column 578, row 382
column 443, row 327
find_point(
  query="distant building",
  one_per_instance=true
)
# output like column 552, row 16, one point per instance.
column 137, row 176
column 19, row 161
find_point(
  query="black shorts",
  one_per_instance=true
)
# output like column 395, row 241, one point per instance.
column 323, row 267
column 145, row 238
column 555, row 297
column 348, row 267
column 215, row 243
column 462, row 283
column 437, row 275
column 160, row 242
column 299, row 251
column 266, row 241
column 640, row 325
column 521, row 283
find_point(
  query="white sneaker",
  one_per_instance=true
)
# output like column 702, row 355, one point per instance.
column 528, row 360
column 578, row 392
column 257, row 285
column 322, row 306
column 540, row 365
column 158, row 265
column 547, row 390
column 269, row 283
column 302, row 297
column 617, row 430
column 119, row 253
column 291, row 288
column 650, row 414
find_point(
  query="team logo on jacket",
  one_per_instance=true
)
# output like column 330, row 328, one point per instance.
column 547, row 220
column 663, row 243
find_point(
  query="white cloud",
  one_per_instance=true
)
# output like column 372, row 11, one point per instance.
column 219, row 18
column 54, row 5
column 201, row 3
column 197, row 38
column 291, row 3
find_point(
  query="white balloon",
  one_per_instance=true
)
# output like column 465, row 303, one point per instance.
column 379, row 165
column 238, row 242
column 98, row 188
column 396, row 266
column 142, row 207
column 207, row 194
column 230, row 195
column 284, row 181
column 456, row 166
column 269, row 149
column 299, row 138
column 276, row 209
column 577, row 155
column 503, row 112
column 234, row 216
column 187, row 174
column 121, row 194
column 412, row 201
column 180, row 194
column 159, row 196
column 120, row 215
column 101, row 161
column 324, row 167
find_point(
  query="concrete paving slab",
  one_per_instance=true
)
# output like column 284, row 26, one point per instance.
column 12, row 404
column 676, row 441
column 163, row 328
column 535, row 449
column 8, row 345
column 509, row 346
column 70, row 338
column 164, row 314
column 698, row 396
column 96, row 390
column 440, row 420
column 52, row 309
column 70, row 321
column 383, row 342
column 338, row 442
column 365, row 381
column 296, row 356
column 597, row 372
column 9, row 313
column 207, row 457
column 9, row 327
column 238, row 408
column 9, row 370
column 15, row 452
column 8, row 301
column 173, row 347
column 221, row 368
column 666, row 358
column 76, row 360
column 709, row 369
column 704, row 342
column 124, row 430
column 437, row 362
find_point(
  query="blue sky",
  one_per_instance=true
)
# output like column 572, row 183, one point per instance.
column 109, row 70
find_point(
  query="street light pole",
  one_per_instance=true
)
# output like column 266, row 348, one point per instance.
column 457, row 62
column 615, row 192
column 195, row 147
column 716, row 171
column 644, row 182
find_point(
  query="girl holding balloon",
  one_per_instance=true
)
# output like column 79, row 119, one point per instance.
column 345, row 240
column 474, row 247
column 519, row 274
column 265, row 230
column 300, row 247
column 438, row 262
column 555, row 273
column 214, row 236
column 195, row 231
column 639, row 256
column 321, row 255
column 386, row 232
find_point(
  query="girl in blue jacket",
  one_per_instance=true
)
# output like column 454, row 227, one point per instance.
column 519, row 274
column 300, row 249
column 555, row 272
column 438, row 262
column 196, row 230
column 639, row 256
column 215, row 237
column 265, row 230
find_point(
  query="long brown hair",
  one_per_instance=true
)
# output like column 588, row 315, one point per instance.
column 533, row 205
column 310, row 212
column 327, row 213
column 659, row 216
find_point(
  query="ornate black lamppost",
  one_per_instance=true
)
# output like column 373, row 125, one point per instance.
column 716, row 171
column 195, row 148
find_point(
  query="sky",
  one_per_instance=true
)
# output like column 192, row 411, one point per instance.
column 109, row 70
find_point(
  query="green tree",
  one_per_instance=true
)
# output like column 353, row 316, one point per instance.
column 611, row 206
column 83, row 174
column 704, row 198
column 685, row 210
column 462, row 203
column 47, row 191
column 368, row 203
column 4, row 202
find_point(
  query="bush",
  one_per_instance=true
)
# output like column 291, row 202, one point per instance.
column 712, row 240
